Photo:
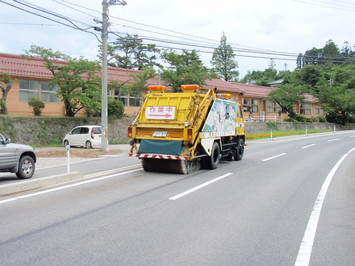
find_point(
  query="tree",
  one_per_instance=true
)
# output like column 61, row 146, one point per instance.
column 261, row 77
column 286, row 96
column 5, row 87
column 138, row 86
column 300, row 61
column 185, row 68
column 79, row 85
column 223, row 60
column 131, row 53
column 334, row 87
column 330, row 53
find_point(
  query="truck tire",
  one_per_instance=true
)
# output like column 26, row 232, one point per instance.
column 26, row 167
column 239, row 152
column 213, row 160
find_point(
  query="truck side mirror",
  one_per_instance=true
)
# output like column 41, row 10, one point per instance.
column 7, row 141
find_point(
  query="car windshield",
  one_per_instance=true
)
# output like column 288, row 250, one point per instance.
column 2, row 139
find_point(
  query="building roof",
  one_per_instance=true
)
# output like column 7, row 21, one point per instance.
column 15, row 65
column 255, row 91
column 222, row 85
column 18, row 66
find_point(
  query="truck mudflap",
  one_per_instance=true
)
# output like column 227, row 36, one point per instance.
column 159, row 156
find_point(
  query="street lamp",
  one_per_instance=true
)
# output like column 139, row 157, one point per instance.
column 104, row 36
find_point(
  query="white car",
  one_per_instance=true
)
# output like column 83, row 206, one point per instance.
column 84, row 136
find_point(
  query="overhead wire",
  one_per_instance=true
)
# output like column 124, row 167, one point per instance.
column 339, row 5
column 196, row 42
column 199, row 38
column 73, row 25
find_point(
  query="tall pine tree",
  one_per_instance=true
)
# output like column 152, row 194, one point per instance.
column 224, row 62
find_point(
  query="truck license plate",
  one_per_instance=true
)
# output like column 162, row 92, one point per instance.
column 160, row 134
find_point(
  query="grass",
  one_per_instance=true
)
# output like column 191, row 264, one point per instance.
column 279, row 133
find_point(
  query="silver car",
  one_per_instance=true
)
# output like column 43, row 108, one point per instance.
column 17, row 158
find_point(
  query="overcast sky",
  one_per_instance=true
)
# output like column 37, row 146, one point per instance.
column 255, row 28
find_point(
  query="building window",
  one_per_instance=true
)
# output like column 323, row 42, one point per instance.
column 129, row 100
column 28, row 89
column 251, row 105
column 305, row 109
column 255, row 105
column 272, row 107
column 319, row 111
column 49, row 95
column 40, row 90
column 246, row 105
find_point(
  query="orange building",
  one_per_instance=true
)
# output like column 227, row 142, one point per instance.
column 31, row 79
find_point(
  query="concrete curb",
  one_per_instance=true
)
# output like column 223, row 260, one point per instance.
column 39, row 183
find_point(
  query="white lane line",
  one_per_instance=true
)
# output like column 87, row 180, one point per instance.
column 68, row 186
column 199, row 187
column 305, row 251
column 305, row 147
column 273, row 157
column 330, row 140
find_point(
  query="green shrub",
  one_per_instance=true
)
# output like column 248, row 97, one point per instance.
column 309, row 120
column 115, row 108
column 314, row 119
column 322, row 119
column 301, row 118
column 37, row 105
column 289, row 119
column 271, row 125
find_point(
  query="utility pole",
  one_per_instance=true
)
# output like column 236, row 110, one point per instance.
column 104, row 37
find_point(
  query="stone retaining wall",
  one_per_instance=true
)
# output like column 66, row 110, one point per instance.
column 46, row 130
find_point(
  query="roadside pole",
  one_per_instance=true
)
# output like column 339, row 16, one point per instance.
column 104, row 36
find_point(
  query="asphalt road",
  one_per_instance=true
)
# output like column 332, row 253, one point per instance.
column 288, row 202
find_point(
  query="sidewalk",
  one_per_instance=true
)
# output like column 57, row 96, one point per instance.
column 54, row 156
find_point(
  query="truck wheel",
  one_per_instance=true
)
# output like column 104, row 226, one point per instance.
column 213, row 160
column 26, row 167
column 240, row 150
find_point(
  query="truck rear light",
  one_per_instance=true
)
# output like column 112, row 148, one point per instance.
column 189, row 87
column 129, row 132
column 92, row 133
column 189, row 133
column 156, row 88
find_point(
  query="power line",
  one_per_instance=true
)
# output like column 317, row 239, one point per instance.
column 73, row 26
column 166, row 30
column 340, row 5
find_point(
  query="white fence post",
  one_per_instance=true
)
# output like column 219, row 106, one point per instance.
column 68, row 158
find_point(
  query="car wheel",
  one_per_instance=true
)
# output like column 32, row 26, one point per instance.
column 88, row 145
column 66, row 143
column 26, row 167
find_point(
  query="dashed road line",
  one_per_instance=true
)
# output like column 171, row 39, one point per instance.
column 178, row 196
column 305, row 147
column 273, row 157
column 330, row 140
